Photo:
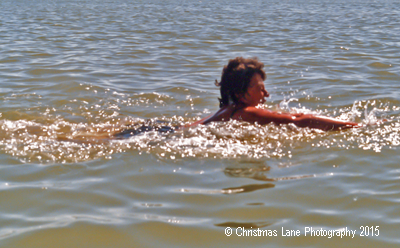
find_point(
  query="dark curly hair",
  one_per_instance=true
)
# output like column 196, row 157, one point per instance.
column 236, row 77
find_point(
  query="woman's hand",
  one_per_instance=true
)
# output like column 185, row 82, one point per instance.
column 324, row 123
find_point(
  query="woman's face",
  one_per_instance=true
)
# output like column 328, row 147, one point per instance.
column 256, row 92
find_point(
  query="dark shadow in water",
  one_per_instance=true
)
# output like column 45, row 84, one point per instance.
column 247, row 188
column 256, row 173
column 247, row 225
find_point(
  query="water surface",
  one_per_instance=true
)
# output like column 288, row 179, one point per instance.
column 75, row 72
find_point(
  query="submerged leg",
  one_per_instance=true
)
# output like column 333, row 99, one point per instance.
column 135, row 131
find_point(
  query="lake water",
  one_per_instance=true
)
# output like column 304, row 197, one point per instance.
column 74, row 72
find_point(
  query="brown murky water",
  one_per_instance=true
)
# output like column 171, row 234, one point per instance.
column 74, row 73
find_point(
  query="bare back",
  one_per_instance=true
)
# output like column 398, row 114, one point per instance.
column 223, row 114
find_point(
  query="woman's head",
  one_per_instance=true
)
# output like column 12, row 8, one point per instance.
column 236, row 78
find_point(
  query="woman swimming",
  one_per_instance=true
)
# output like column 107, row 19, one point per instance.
column 242, row 90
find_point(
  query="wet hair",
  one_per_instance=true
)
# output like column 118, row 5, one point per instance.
column 236, row 77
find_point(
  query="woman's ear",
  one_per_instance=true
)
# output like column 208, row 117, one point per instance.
column 242, row 98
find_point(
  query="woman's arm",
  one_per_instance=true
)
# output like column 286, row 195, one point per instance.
column 324, row 123
column 263, row 116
